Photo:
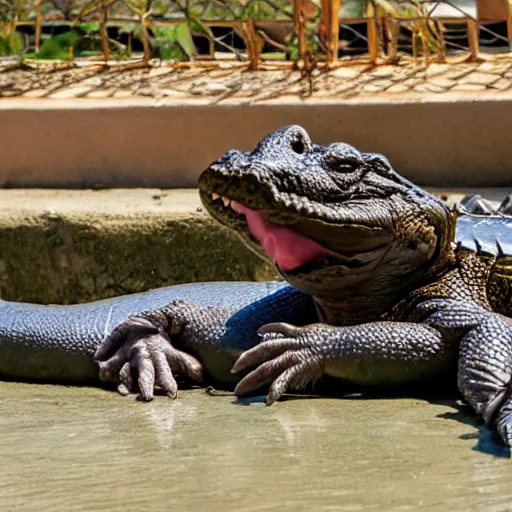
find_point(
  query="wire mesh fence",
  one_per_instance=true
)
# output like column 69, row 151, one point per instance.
column 300, row 33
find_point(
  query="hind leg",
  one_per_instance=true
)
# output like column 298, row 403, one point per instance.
column 485, row 371
column 504, row 422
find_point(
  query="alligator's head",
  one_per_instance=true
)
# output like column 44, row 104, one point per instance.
column 335, row 221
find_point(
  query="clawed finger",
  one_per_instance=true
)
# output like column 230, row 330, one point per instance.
column 125, row 386
column 184, row 364
column 263, row 352
column 163, row 376
column 265, row 373
column 292, row 378
column 110, row 368
column 145, row 369
column 139, row 353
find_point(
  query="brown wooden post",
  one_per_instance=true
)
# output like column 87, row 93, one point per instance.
column 509, row 26
column 330, row 29
column 425, row 49
column 473, row 39
column 145, row 34
column 252, row 43
column 130, row 44
column 104, row 35
column 300, row 19
column 373, row 40
column 71, row 56
column 39, row 24
column 392, row 30
column 441, row 44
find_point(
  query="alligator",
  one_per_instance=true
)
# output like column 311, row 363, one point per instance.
column 383, row 286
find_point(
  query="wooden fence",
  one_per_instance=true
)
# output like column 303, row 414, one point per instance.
column 302, row 32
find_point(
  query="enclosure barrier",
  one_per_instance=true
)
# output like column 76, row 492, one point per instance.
column 302, row 33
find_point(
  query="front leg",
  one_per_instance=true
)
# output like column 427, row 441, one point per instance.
column 144, row 351
column 382, row 353
column 378, row 353
column 485, row 364
column 198, row 341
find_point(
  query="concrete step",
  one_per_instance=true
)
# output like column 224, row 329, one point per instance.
column 68, row 246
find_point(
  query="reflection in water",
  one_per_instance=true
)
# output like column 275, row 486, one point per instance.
column 163, row 418
column 87, row 449
column 312, row 421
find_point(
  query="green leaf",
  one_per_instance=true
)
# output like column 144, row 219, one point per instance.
column 184, row 39
column 209, row 12
column 92, row 26
column 198, row 26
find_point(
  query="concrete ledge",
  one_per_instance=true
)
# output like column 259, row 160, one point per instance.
column 453, row 140
column 65, row 246
column 68, row 246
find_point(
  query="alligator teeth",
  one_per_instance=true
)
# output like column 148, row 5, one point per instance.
column 225, row 199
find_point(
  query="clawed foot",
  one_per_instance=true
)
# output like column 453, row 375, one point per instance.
column 504, row 423
column 287, row 358
column 139, row 354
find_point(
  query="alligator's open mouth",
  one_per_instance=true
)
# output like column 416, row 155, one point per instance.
column 309, row 245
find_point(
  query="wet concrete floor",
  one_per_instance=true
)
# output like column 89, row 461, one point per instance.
column 67, row 449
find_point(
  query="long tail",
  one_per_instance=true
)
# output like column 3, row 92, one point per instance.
column 57, row 343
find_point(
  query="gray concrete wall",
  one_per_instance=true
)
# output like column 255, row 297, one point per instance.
column 440, row 141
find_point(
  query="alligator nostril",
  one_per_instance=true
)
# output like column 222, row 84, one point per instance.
column 298, row 146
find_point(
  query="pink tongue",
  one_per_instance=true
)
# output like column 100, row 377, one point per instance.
column 289, row 249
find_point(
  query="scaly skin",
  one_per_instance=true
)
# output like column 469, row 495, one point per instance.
column 388, row 288
column 57, row 343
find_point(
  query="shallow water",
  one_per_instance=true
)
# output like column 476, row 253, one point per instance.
column 65, row 449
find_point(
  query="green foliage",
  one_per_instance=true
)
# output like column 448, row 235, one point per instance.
column 11, row 10
column 232, row 9
column 353, row 8
column 58, row 47
column 175, row 42
column 90, row 27
column 11, row 44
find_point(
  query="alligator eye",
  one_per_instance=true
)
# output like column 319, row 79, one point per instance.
column 342, row 157
column 343, row 166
